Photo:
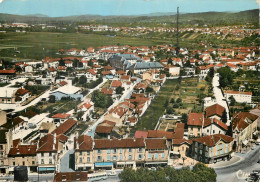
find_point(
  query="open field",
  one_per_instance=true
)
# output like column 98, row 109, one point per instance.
column 42, row 44
column 188, row 90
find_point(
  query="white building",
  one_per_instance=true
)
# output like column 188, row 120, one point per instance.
column 240, row 97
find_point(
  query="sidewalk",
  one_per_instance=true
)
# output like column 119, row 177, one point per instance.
column 233, row 160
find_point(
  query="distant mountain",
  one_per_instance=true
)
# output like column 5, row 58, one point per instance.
column 243, row 17
column 37, row 15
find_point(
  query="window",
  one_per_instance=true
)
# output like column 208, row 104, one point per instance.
column 149, row 156
column 1, row 147
column 162, row 155
column 108, row 151
column 88, row 159
column 121, row 151
column 130, row 150
column 13, row 163
column 156, row 156
column 182, row 148
column 99, row 151
column 80, row 160
column 108, row 157
column 23, row 163
column 49, row 153
column 42, row 154
column 42, row 162
column 140, row 156
column 80, row 153
column 88, row 152
column 130, row 157
column 99, row 158
column 140, row 149
column 114, row 151
column 50, row 161
column 213, row 131
column 33, row 162
column 121, row 157
column 114, row 157
column 207, row 131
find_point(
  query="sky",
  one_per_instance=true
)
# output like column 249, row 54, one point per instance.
column 57, row 8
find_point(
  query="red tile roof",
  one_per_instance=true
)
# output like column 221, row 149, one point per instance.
column 91, row 71
column 155, row 143
column 22, row 150
column 21, row 92
column 61, row 115
column 181, row 141
column 215, row 109
column 212, row 140
column 84, row 143
column 7, row 71
column 160, row 134
column 119, row 143
column 239, row 120
column 65, row 127
column 195, row 119
column 141, row 134
column 46, row 144
column 209, row 121
column 237, row 92
column 116, row 83
column 125, row 77
column 107, row 91
column 120, row 72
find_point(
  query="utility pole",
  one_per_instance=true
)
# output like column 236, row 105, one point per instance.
column 177, row 49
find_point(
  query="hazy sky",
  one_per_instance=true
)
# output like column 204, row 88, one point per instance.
column 56, row 8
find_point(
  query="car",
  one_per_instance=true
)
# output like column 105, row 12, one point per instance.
column 258, row 161
column 112, row 173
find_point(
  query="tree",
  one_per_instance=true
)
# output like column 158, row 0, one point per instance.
column 205, row 173
column 226, row 77
column 224, row 117
column 172, row 100
column 83, row 79
column 166, row 103
column 170, row 61
column 232, row 100
column 149, row 89
column 61, row 62
column 169, row 110
column 52, row 99
column 184, row 118
column 179, row 100
column 119, row 90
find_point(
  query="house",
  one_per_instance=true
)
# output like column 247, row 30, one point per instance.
column 203, row 71
column 240, row 97
column 91, row 75
column 71, row 176
column 141, row 134
column 28, row 68
column 156, row 152
column 232, row 67
column 23, row 155
column 213, row 126
column 7, row 95
column 118, row 152
column 173, row 70
column 8, row 73
column 22, row 95
column 6, row 143
column 66, row 127
column 160, row 134
column 189, row 71
column 60, row 117
column 116, row 83
column 47, row 151
column 212, row 148
column 226, row 52
column 107, row 91
column 180, row 147
column 195, row 123
column 105, row 128
column 88, row 108
column 244, row 126
column 215, row 111
column 67, row 91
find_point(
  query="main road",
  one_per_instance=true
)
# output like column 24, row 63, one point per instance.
column 247, row 165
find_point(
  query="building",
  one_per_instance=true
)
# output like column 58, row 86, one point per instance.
column 67, row 91
column 5, row 143
column 212, row 148
column 213, row 126
column 23, row 155
column 8, row 95
column 240, row 97
column 195, row 123
column 71, row 176
column 215, row 111
column 244, row 126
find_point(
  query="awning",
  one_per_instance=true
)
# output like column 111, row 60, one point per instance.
column 104, row 164
column 123, row 163
column 175, row 153
column 156, row 162
column 46, row 169
column 245, row 142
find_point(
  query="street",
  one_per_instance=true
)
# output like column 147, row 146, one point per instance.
column 248, row 164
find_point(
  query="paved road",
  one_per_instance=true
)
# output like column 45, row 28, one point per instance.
column 219, row 96
column 13, row 82
column 34, row 177
column 249, row 163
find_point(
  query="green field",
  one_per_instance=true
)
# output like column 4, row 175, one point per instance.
column 42, row 44
column 188, row 90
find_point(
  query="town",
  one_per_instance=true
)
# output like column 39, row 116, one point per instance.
column 87, row 114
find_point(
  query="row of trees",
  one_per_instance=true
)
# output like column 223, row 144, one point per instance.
column 200, row 173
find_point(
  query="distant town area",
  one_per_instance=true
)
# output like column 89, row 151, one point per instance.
column 93, row 102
